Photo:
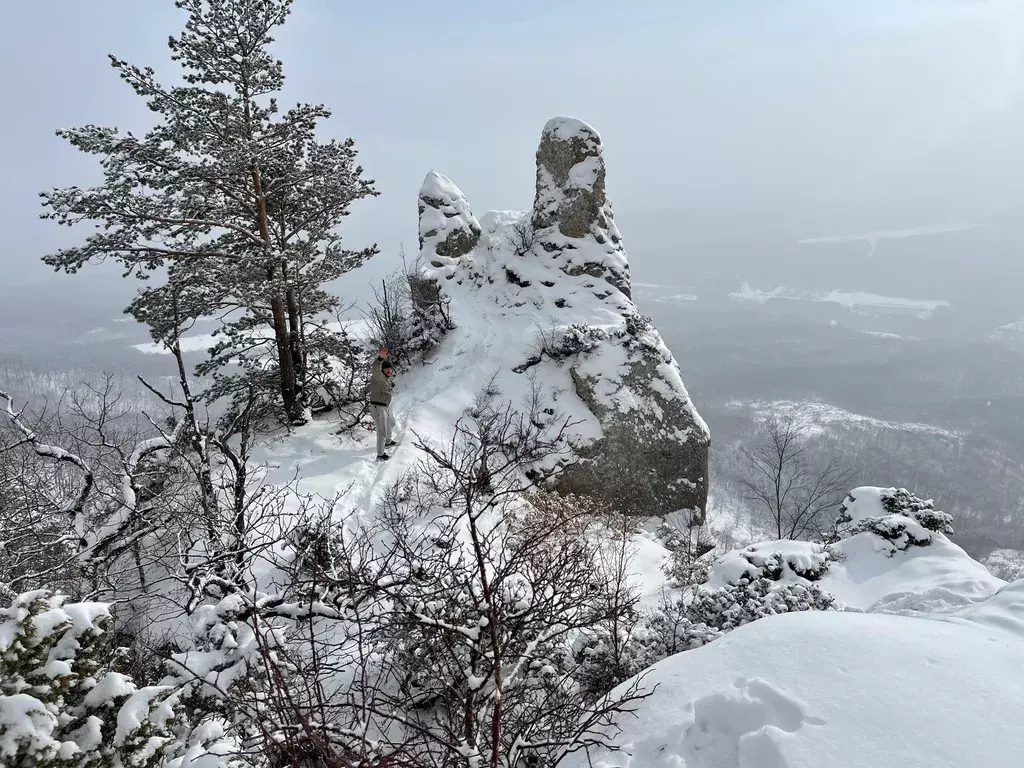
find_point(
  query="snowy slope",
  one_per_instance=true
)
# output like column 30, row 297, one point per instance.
column 427, row 401
column 914, row 567
column 815, row 418
column 936, row 578
column 863, row 573
column 1003, row 612
column 843, row 690
column 921, row 665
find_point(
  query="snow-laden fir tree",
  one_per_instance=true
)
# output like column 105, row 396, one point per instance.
column 63, row 704
column 235, row 200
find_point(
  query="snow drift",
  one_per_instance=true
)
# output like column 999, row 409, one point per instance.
column 845, row 690
column 542, row 300
column 919, row 662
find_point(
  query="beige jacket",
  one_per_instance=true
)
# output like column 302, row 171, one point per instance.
column 380, row 385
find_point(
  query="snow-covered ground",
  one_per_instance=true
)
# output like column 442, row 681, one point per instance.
column 935, row 579
column 893, row 336
column 200, row 342
column 843, row 690
column 874, row 237
column 856, row 301
column 860, row 302
column 427, row 401
column 817, row 418
column 922, row 666
column 197, row 343
column 664, row 294
column 865, row 575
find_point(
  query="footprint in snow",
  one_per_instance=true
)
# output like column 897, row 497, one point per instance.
column 735, row 730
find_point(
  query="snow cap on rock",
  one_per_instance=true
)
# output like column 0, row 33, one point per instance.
column 447, row 224
column 570, row 177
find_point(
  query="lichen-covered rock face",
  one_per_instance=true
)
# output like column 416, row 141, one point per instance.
column 447, row 223
column 570, row 178
column 652, row 457
column 541, row 299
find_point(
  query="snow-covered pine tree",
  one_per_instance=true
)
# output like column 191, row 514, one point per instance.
column 238, row 201
column 61, row 704
column 64, row 704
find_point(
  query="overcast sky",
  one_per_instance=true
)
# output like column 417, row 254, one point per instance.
column 817, row 115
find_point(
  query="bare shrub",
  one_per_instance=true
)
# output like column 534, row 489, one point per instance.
column 469, row 599
column 521, row 236
column 794, row 491
column 409, row 315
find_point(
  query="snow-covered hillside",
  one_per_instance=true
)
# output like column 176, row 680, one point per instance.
column 1009, row 332
column 861, row 302
column 434, row 620
column 1006, row 563
column 816, row 418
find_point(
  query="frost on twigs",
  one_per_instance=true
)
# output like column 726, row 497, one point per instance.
column 409, row 316
column 472, row 596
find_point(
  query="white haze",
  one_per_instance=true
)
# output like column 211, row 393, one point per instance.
column 795, row 118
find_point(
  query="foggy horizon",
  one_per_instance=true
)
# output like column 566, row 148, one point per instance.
column 800, row 120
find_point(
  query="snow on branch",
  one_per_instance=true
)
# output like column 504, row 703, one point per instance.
column 73, row 508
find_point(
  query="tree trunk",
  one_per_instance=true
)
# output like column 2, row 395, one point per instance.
column 492, row 627
column 284, row 355
column 197, row 439
column 295, row 342
column 285, row 361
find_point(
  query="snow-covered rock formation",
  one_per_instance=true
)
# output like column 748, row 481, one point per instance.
column 446, row 220
column 544, row 296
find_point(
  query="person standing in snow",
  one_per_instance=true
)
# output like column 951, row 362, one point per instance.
column 380, row 403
